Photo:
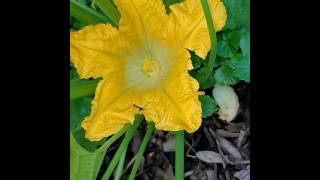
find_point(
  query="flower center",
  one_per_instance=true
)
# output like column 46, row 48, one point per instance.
column 150, row 67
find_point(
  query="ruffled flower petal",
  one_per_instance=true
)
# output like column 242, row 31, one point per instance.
column 112, row 108
column 189, row 18
column 96, row 50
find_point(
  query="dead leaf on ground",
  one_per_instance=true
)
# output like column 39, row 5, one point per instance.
column 226, row 134
column 209, row 157
column 227, row 146
column 169, row 145
column 243, row 174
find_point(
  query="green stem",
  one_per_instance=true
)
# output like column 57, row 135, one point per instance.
column 129, row 134
column 81, row 88
column 108, row 8
column 142, row 148
column 213, row 39
column 120, row 165
column 112, row 139
column 85, row 14
column 180, row 155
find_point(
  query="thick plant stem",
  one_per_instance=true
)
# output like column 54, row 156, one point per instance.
column 120, row 165
column 129, row 134
column 142, row 148
column 180, row 155
column 213, row 39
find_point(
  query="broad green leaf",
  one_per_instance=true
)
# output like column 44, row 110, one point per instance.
column 76, row 24
column 242, row 68
column 245, row 42
column 85, row 165
column 238, row 13
column 82, row 87
column 225, row 75
column 85, row 14
column 110, row 10
column 84, row 2
column 228, row 43
column 232, row 7
column 244, row 14
column 208, row 83
column 208, row 105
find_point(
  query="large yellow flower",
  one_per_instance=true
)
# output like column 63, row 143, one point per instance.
column 144, row 65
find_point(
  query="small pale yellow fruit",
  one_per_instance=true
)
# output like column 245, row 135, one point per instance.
column 227, row 100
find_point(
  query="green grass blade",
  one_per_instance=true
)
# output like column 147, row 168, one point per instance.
column 131, row 131
column 108, row 8
column 180, row 155
column 213, row 39
column 142, row 148
column 85, row 14
column 81, row 88
column 120, row 165
column 85, row 165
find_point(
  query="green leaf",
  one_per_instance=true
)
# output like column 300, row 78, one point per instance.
column 196, row 60
column 208, row 83
column 73, row 73
column 82, row 87
column 242, row 68
column 85, row 14
column 232, row 7
column 225, row 75
column 238, row 12
column 110, row 10
column 208, row 105
column 244, row 14
column 228, row 43
column 245, row 42
column 79, row 109
column 85, row 165
column 76, row 24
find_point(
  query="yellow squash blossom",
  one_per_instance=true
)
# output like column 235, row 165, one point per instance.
column 144, row 65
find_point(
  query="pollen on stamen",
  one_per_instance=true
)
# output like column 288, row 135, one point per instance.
column 150, row 67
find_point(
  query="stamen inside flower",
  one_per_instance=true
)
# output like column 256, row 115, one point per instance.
column 150, row 67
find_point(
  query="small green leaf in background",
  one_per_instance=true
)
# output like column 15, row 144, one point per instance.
column 225, row 75
column 208, row 105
